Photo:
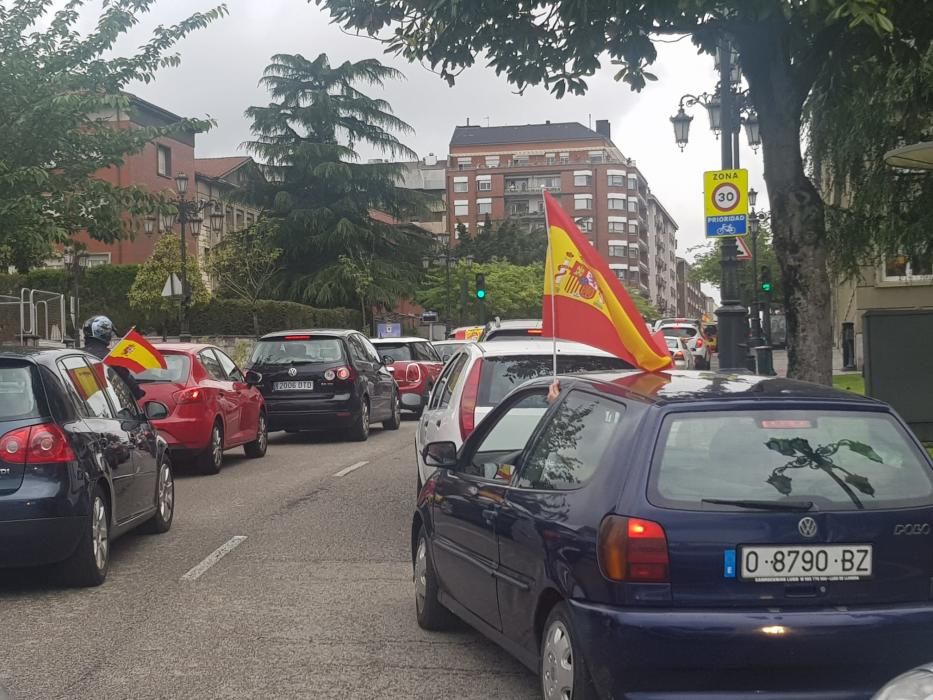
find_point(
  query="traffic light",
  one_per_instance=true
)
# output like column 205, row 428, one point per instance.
column 766, row 285
column 480, row 286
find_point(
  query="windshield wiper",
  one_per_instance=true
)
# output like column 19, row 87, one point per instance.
column 792, row 506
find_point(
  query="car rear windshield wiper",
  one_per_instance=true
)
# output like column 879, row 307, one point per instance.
column 792, row 506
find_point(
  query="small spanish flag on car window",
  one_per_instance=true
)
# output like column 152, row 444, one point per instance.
column 585, row 302
column 135, row 353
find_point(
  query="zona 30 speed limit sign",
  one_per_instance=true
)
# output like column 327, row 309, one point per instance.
column 725, row 200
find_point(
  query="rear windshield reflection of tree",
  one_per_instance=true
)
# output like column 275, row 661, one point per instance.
column 561, row 435
column 805, row 456
column 518, row 371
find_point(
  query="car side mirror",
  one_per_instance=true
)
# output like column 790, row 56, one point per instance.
column 156, row 410
column 440, row 454
column 252, row 378
column 387, row 361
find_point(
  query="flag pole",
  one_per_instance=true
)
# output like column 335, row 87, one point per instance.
column 550, row 263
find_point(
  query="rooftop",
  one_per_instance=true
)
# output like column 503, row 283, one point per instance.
column 219, row 167
column 529, row 133
column 420, row 176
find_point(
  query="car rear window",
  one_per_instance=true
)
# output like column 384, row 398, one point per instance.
column 399, row 352
column 672, row 343
column 283, row 351
column 502, row 374
column 680, row 331
column 175, row 372
column 18, row 392
column 500, row 333
column 838, row 460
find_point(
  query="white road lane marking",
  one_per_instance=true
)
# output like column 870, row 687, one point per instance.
column 214, row 557
column 351, row 468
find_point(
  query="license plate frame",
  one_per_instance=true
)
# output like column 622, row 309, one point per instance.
column 826, row 562
column 293, row 385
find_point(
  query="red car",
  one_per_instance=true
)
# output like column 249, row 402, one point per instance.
column 211, row 406
column 415, row 365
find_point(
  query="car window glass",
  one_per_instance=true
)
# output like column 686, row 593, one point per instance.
column 212, row 365
column 500, row 448
column 19, row 391
column 229, row 366
column 572, row 444
column 121, row 396
column 453, row 381
column 424, row 353
column 88, row 383
column 369, row 350
column 438, row 391
column 356, row 350
column 400, row 352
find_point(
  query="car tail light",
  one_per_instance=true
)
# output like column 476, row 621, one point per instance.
column 38, row 444
column 341, row 373
column 413, row 374
column 678, row 355
column 699, row 343
column 297, row 337
column 632, row 550
column 468, row 400
column 192, row 395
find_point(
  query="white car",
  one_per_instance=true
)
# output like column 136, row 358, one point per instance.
column 478, row 377
column 681, row 354
column 691, row 331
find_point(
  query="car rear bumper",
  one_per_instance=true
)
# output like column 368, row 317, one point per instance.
column 703, row 654
column 412, row 399
column 312, row 415
column 186, row 434
column 40, row 541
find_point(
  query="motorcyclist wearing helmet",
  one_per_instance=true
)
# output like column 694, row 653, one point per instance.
column 98, row 334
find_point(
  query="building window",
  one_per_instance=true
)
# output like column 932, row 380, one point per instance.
column 597, row 156
column 520, row 161
column 583, row 201
column 620, row 275
column 617, row 227
column 585, row 224
column 582, row 179
column 564, row 158
column 461, row 208
column 632, row 205
column 633, row 183
column 484, row 206
column 164, row 161
column 461, row 185
column 550, row 158
column 898, row 268
column 617, row 203
column 464, row 163
column 617, row 180
column 632, row 227
column 616, row 251
column 484, row 185
column 492, row 161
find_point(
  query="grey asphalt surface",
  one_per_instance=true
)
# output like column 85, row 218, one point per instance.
column 316, row 602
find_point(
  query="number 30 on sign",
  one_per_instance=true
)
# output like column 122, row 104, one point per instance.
column 725, row 199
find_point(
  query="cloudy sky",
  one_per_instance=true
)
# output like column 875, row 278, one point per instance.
column 222, row 64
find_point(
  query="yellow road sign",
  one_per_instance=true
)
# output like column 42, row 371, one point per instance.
column 725, row 202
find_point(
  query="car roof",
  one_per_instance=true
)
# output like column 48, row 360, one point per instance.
column 688, row 386
column 403, row 339
column 451, row 341
column 38, row 355
column 341, row 332
column 183, row 347
column 516, row 323
column 543, row 346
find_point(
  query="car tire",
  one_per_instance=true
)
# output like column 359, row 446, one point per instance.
column 431, row 614
column 258, row 447
column 212, row 460
column 360, row 431
column 395, row 422
column 89, row 563
column 165, row 500
column 562, row 669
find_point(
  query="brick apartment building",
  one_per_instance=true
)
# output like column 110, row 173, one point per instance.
column 691, row 301
column 502, row 171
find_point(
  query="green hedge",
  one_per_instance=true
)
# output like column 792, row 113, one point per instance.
column 104, row 290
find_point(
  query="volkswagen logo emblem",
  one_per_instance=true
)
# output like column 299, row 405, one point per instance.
column 807, row 527
column 292, row 372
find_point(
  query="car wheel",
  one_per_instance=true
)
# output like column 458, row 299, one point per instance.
column 395, row 422
column 257, row 448
column 165, row 500
column 89, row 563
column 360, row 431
column 563, row 671
column 212, row 459
column 431, row 614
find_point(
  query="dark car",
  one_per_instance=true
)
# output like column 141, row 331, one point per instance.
column 324, row 380
column 415, row 365
column 80, row 464
column 685, row 535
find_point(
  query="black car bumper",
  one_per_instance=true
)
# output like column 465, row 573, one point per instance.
column 40, row 541
column 332, row 414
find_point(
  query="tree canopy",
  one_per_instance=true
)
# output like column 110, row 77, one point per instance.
column 707, row 266
column 507, row 240
column 326, row 205
column 146, row 293
column 784, row 48
column 57, row 87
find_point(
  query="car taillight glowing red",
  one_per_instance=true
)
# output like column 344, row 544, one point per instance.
column 413, row 373
column 192, row 395
column 699, row 343
column 632, row 550
column 678, row 355
column 343, row 373
column 38, row 444
column 468, row 400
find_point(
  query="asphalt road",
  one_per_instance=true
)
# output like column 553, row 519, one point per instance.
column 315, row 602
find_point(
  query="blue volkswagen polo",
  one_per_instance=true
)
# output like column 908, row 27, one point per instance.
column 685, row 535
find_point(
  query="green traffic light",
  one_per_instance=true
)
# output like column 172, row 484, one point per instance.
column 480, row 293
column 766, row 286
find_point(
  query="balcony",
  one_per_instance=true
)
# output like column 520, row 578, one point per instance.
column 524, row 186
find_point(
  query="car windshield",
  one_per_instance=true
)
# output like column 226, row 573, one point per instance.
column 17, row 392
column 175, row 372
column 502, row 374
column 400, row 352
column 838, row 460
column 284, row 351
column 679, row 331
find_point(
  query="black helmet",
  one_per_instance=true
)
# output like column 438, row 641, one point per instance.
column 98, row 328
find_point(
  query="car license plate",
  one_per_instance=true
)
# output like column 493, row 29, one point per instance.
column 848, row 562
column 292, row 386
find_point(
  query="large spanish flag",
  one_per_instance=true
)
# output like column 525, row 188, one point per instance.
column 135, row 353
column 585, row 302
